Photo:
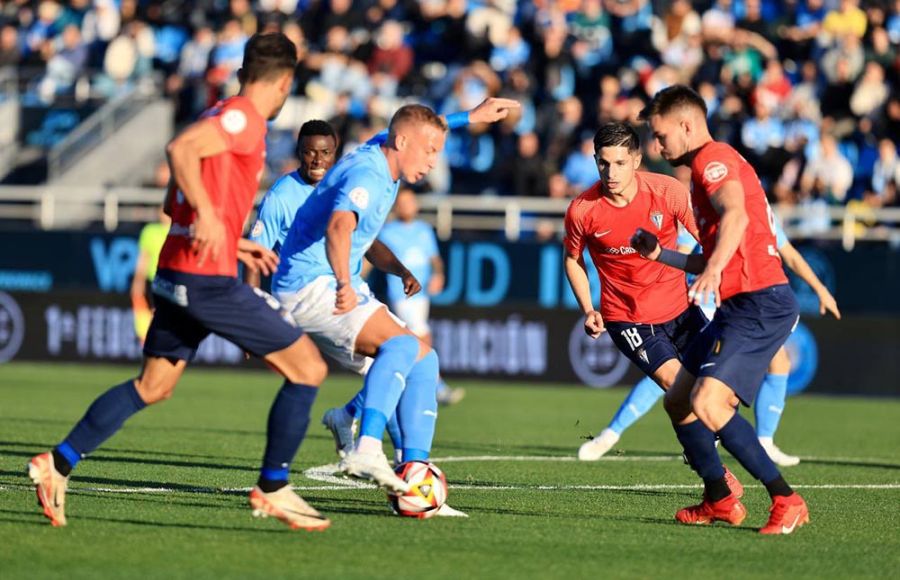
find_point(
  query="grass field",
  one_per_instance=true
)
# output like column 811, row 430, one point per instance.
column 165, row 497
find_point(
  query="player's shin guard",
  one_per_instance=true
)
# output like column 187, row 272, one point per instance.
column 417, row 412
column 739, row 438
column 770, row 404
column 288, row 421
column 385, row 382
column 699, row 445
column 104, row 417
column 639, row 401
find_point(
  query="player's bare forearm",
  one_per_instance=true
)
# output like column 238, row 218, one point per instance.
column 337, row 243
column 729, row 202
column 185, row 151
column 576, row 273
column 796, row 264
column 139, row 282
column 184, row 162
column 385, row 260
column 252, row 278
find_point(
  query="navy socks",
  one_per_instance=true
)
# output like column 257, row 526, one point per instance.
column 288, row 421
column 103, row 418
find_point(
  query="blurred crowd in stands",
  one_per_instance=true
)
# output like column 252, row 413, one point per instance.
column 807, row 90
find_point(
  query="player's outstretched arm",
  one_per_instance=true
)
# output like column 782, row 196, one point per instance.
column 576, row 273
column 647, row 245
column 184, row 153
column 337, row 247
column 798, row 265
column 385, row 260
column 492, row 109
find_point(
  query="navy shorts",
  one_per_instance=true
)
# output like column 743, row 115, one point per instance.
column 190, row 306
column 650, row 345
column 746, row 332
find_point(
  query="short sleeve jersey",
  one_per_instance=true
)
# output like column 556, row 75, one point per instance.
column 756, row 263
column 360, row 182
column 632, row 288
column 231, row 179
column 278, row 208
column 414, row 244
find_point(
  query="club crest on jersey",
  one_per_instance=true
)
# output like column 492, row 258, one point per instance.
column 360, row 197
column 257, row 229
column 715, row 171
column 657, row 219
column 234, row 121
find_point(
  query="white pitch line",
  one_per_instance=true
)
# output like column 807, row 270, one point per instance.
column 562, row 458
column 586, row 487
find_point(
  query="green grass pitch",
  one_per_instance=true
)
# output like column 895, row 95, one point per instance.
column 164, row 499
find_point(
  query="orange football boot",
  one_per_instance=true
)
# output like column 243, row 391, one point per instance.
column 788, row 512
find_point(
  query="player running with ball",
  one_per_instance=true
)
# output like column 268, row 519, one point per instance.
column 319, row 283
column 757, row 311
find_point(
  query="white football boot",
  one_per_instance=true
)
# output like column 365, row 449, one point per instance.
column 598, row 446
column 288, row 507
column 778, row 456
column 373, row 467
column 447, row 511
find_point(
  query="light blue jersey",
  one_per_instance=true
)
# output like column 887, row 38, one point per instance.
column 277, row 210
column 360, row 182
column 414, row 244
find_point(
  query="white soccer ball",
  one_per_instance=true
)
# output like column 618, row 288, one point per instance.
column 427, row 490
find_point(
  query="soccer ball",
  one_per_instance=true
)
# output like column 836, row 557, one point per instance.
column 427, row 492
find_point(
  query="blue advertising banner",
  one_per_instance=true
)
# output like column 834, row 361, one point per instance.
column 480, row 274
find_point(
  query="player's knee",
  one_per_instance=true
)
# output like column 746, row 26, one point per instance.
column 708, row 403
column 311, row 371
column 153, row 389
column 677, row 406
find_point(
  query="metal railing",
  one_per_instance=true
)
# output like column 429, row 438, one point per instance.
column 98, row 127
column 514, row 216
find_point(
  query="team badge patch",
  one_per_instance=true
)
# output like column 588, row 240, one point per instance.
column 360, row 197
column 257, row 229
column 657, row 219
column 715, row 171
column 234, row 121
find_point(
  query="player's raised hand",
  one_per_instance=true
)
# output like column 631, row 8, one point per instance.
column 411, row 285
column 827, row 303
column 208, row 236
column 257, row 257
column 345, row 298
column 492, row 109
column 706, row 284
column 646, row 243
column 593, row 324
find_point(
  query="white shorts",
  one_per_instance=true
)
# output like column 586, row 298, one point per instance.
column 312, row 308
column 414, row 312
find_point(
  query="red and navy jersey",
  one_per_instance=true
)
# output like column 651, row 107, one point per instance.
column 756, row 263
column 632, row 288
column 231, row 179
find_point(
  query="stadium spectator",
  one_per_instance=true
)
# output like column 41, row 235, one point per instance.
column 885, row 176
column 10, row 52
column 816, row 66
column 828, row 175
